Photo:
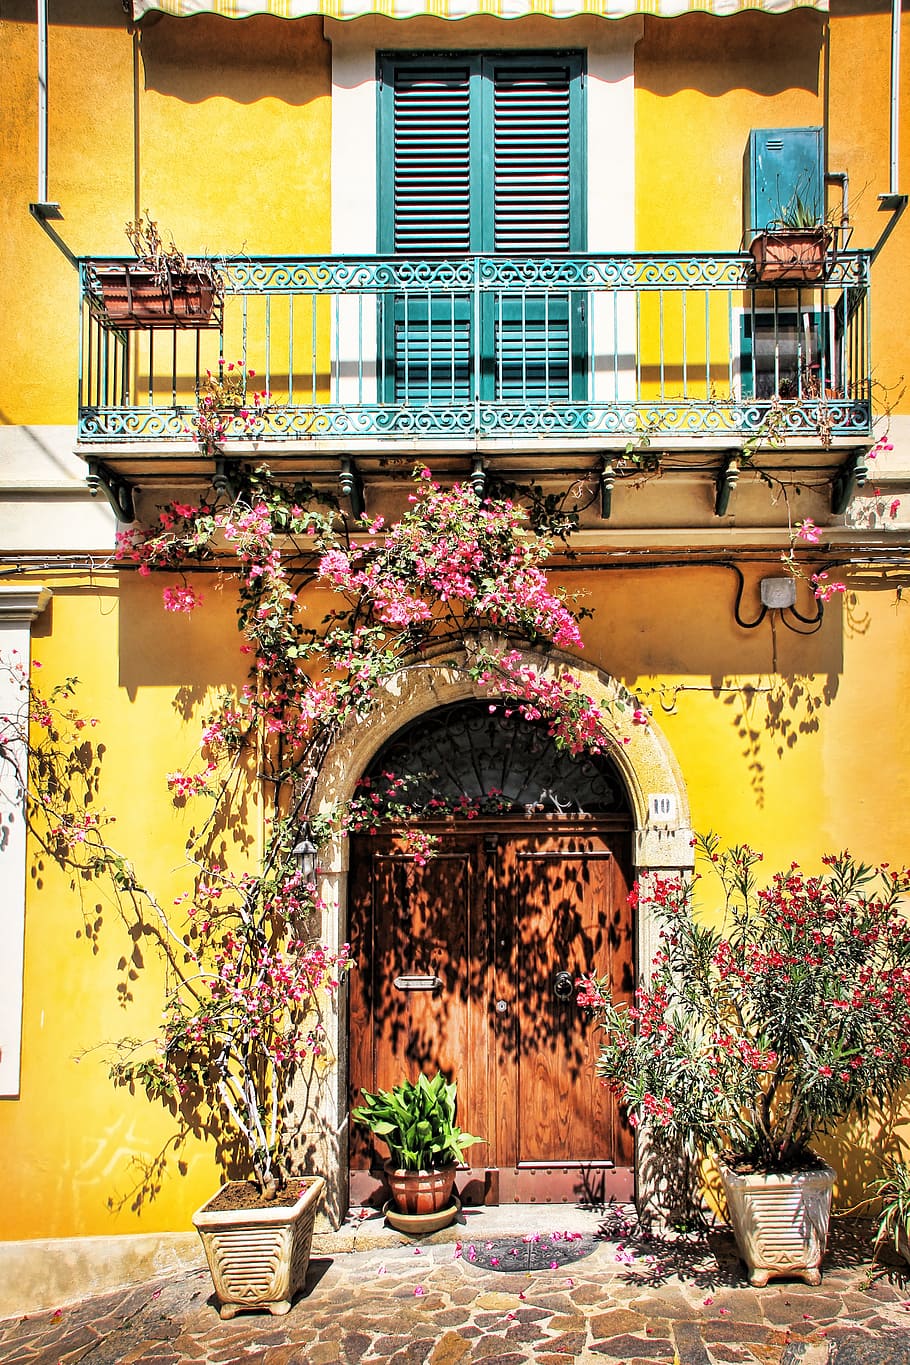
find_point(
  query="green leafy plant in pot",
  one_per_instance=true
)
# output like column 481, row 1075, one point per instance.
column 416, row 1121
column 763, row 1025
column 893, row 1189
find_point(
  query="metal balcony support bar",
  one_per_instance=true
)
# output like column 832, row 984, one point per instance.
column 852, row 475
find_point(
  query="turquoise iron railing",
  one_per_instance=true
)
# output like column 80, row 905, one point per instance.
column 612, row 347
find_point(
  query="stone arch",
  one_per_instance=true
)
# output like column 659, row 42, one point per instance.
column 662, row 837
column 641, row 753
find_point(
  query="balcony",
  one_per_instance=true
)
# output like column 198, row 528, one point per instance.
column 547, row 363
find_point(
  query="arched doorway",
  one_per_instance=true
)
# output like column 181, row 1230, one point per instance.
column 467, row 959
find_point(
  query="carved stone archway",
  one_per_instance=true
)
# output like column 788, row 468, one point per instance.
column 662, row 842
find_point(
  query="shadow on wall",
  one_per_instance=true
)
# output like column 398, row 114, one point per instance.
column 194, row 654
column 860, row 1149
column 774, row 682
column 243, row 60
column 768, row 54
column 64, row 14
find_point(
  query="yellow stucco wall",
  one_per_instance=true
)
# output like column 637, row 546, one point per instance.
column 774, row 765
column 223, row 131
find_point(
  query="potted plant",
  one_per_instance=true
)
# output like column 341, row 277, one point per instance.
column 794, row 247
column 243, row 1017
column 416, row 1121
column 762, row 1027
column 162, row 289
column 893, row 1189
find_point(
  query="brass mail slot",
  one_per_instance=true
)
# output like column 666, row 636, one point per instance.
column 417, row 983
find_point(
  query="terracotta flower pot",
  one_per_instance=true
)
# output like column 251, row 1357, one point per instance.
column 259, row 1257
column 780, row 1221
column 790, row 255
column 421, row 1191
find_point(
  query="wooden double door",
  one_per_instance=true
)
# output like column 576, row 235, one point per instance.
column 468, row 963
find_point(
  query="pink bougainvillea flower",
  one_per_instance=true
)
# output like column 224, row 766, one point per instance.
column 808, row 531
column 181, row 599
column 823, row 589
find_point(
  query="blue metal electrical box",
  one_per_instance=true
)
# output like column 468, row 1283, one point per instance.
column 779, row 164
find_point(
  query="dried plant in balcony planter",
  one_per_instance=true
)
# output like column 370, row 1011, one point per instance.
column 162, row 289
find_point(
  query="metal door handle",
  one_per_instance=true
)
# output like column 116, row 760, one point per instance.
column 563, row 986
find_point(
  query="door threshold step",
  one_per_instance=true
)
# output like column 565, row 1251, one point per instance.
column 366, row 1229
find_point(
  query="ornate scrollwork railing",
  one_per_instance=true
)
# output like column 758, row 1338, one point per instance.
column 462, row 347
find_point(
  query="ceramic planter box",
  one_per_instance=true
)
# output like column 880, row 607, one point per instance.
column 259, row 1257
column 780, row 1221
column 790, row 255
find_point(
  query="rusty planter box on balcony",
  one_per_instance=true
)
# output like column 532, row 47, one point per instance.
column 134, row 297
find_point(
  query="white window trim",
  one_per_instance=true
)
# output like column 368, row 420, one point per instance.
column 19, row 606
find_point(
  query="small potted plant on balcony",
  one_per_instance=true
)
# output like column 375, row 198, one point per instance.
column 793, row 249
column 416, row 1121
column 162, row 289
column 762, row 1027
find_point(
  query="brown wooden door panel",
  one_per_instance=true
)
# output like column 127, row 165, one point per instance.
column 418, row 921
column 495, row 915
column 571, row 916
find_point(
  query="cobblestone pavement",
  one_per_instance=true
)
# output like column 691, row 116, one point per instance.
column 451, row 1303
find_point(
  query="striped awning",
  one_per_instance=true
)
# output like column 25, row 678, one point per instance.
column 463, row 9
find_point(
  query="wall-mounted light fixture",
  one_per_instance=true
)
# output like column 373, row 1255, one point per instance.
column 778, row 594
column 304, row 854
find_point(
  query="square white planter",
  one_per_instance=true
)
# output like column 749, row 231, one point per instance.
column 259, row 1257
column 780, row 1221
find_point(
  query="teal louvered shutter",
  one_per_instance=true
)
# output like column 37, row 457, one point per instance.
column 430, row 153
column 538, row 344
column 481, row 153
column 428, row 203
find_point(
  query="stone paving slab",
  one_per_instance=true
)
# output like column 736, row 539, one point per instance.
column 630, row 1302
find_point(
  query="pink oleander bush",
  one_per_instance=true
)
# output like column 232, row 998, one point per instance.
column 770, row 1019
